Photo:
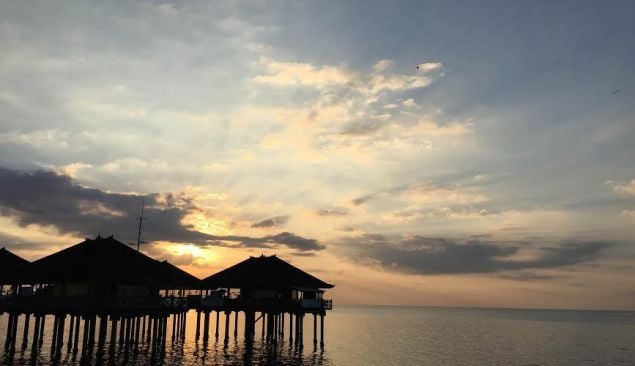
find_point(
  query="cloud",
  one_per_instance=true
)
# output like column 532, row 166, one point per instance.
column 382, row 65
column 304, row 74
column 436, row 256
column 287, row 239
column 332, row 212
column 628, row 214
column 364, row 199
column 430, row 66
column 46, row 198
column 271, row 222
column 424, row 193
column 625, row 190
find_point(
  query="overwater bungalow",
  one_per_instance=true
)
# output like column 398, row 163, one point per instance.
column 271, row 287
column 112, row 288
column 95, row 281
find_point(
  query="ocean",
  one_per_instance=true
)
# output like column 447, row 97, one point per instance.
column 391, row 335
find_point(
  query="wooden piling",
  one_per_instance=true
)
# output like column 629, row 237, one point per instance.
column 113, row 332
column 217, row 321
column 290, row 329
column 60, row 336
column 227, row 316
column 314, row 330
column 36, row 334
column 322, row 331
column 236, row 325
column 76, row 340
column 54, row 335
column 206, row 327
column 71, row 327
column 25, row 336
column 42, row 331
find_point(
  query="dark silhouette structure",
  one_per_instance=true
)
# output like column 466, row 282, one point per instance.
column 113, row 295
column 12, row 269
column 271, row 287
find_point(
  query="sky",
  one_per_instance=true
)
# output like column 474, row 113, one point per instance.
column 437, row 153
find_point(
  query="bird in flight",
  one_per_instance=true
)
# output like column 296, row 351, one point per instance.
column 614, row 91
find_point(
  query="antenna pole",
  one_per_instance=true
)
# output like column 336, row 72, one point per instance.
column 140, row 222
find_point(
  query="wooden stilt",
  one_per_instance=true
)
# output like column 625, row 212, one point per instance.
column 227, row 316
column 71, row 328
column 25, row 336
column 76, row 340
column 113, row 333
column 236, row 324
column 314, row 330
column 42, row 331
column 322, row 331
column 36, row 334
column 217, row 323
column 206, row 327
column 198, row 325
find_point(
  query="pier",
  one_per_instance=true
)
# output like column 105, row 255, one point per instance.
column 101, row 296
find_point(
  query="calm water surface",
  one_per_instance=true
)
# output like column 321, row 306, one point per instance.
column 374, row 335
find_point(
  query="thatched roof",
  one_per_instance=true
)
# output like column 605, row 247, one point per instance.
column 107, row 259
column 13, row 269
column 263, row 272
column 175, row 278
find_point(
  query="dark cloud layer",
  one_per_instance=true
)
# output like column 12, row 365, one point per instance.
column 434, row 256
column 271, row 222
column 47, row 198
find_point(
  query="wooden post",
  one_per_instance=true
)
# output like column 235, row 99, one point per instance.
column 206, row 327
column 60, row 336
column 165, row 326
column 113, row 333
column 183, row 325
column 91, row 334
column 174, row 321
column 101, row 338
column 150, row 329
column 36, row 334
column 282, row 325
column 198, row 324
column 41, row 341
column 322, row 331
column 290, row 329
column 137, row 329
column 71, row 327
column 8, row 340
column 85, row 337
column 217, row 321
column 155, row 328
column 314, row 330
column 122, row 331
column 56, row 323
column 143, row 328
column 250, row 325
column 76, row 340
column 25, row 336
column 227, row 316
column 263, row 318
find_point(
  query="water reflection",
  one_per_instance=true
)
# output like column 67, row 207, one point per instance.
column 177, row 351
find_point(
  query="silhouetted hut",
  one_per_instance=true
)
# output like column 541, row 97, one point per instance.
column 272, row 287
column 13, row 269
column 106, row 268
column 95, row 281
